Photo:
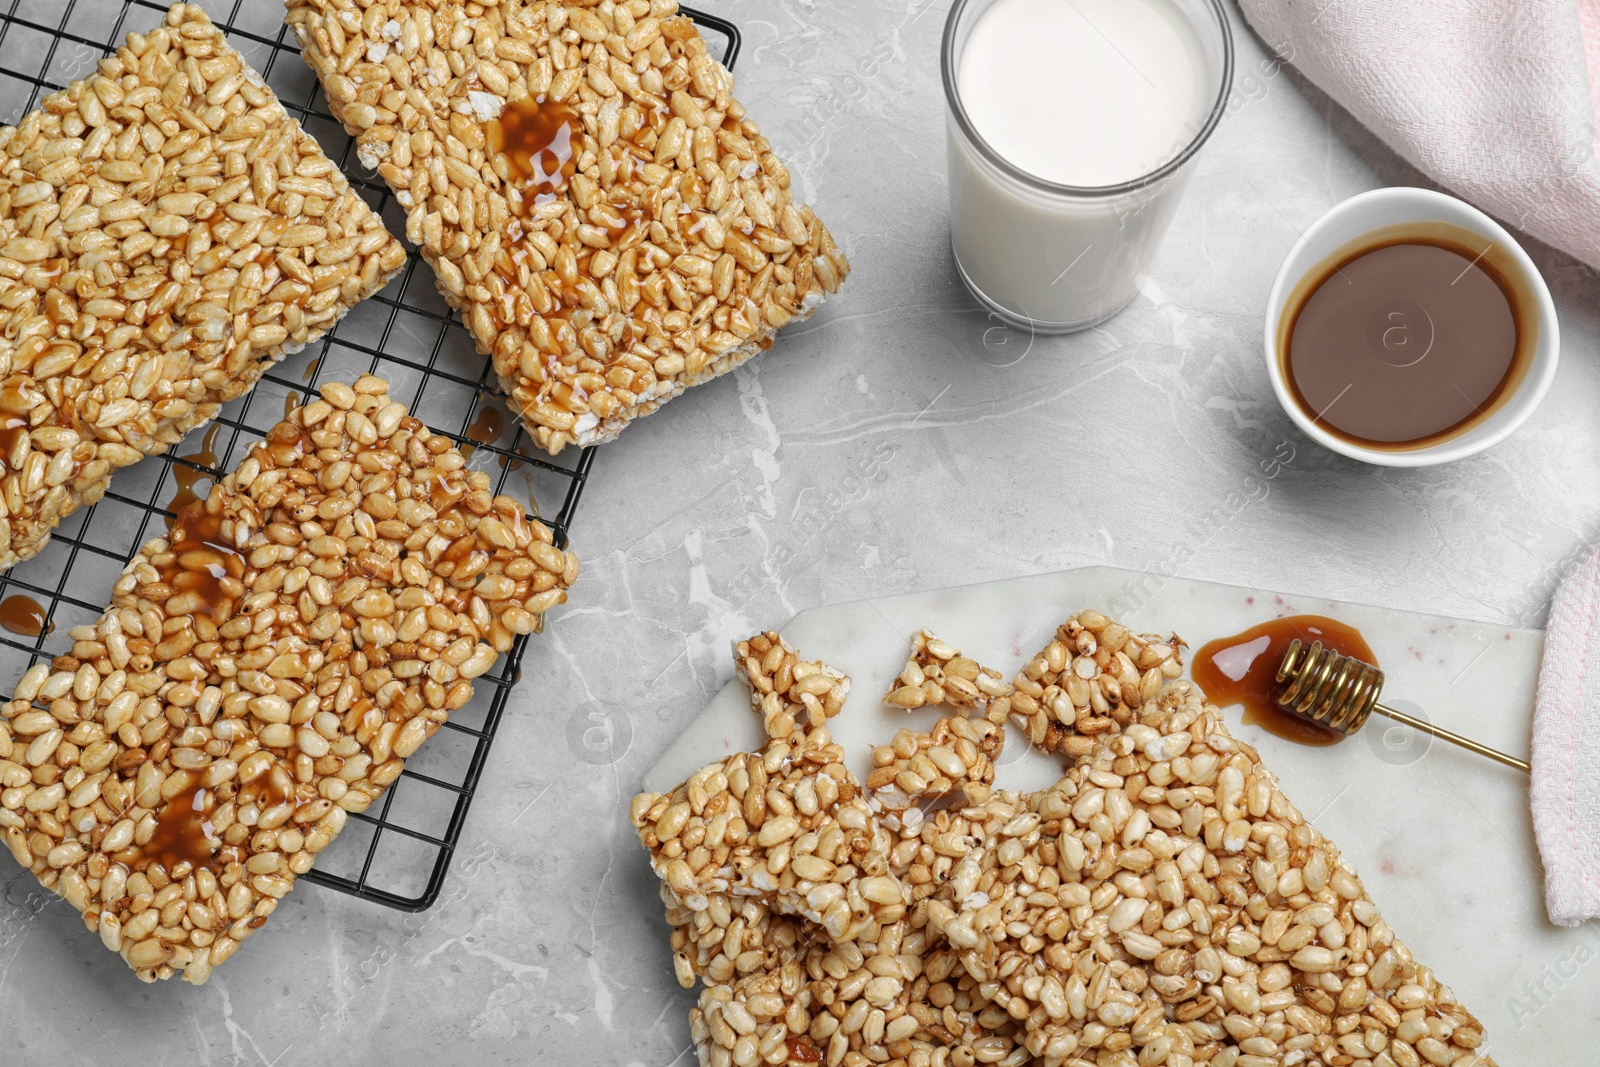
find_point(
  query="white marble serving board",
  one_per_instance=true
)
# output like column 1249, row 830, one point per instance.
column 1441, row 838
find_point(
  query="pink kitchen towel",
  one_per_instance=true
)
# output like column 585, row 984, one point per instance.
column 1565, row 791
column 1493, row 99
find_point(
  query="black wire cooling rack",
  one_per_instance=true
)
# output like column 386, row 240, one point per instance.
column 398, row 852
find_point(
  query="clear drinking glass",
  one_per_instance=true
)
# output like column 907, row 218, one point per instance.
column 1056, row 258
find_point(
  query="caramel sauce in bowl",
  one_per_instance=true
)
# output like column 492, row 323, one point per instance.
column 1407, row 328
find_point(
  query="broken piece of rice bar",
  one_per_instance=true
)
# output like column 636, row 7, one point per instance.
column 957, row 754
column 1093, row 677
column 786, row 691
column 1163, row 903
column 788, row 824
column 167, row 232
column 265, row 668
column 609, row 222
column 937, row 673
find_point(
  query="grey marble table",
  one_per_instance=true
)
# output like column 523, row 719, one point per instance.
column 897, row 441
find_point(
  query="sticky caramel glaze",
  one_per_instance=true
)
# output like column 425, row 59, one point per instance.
column 11, row 430
column 534, row 137
column 201, row 567
column 23, row 615
column 204, row 571
column 1243, row 670
column 18, row 396
column 802, row 1050
column 269, row 787
column 184, row 833
column 485, row 429
column 188, row 477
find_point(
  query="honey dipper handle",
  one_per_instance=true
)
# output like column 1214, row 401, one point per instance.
column 1454, row 738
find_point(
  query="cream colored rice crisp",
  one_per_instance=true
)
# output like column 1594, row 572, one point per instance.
column 1163, row 904
column 167, row 232
column 265, row 669
column 610, row 223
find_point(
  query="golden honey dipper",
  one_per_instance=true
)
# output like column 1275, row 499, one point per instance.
column 1341, row 692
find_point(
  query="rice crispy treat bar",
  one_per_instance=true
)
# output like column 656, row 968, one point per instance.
column 1163, row 903
column 264, row 669
column 609, row 222
column 167, row 232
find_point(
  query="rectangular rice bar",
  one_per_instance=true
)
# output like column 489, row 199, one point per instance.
column 611, row 225
column 1163, row 903
column 264, row 669
column 167, row 232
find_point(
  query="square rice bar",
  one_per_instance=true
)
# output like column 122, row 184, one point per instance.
column 611, row 225
column 167, row 232
column 264, row 669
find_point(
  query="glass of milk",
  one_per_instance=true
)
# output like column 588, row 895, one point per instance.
column 1071, row 125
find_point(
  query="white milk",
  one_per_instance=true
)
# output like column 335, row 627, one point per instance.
column 1084, row 93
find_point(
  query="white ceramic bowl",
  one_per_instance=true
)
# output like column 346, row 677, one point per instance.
column 1359, row 215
